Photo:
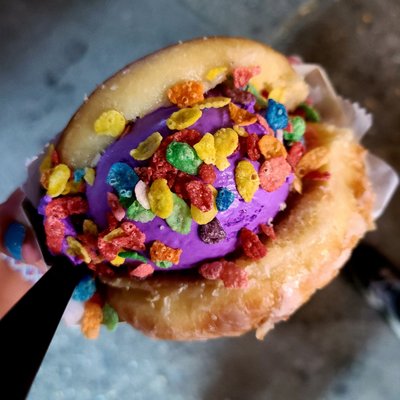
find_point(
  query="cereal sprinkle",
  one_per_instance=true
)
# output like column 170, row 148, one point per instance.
column 186, row 94
column 161, row 252
column 247, row 180
column 110, row 123
column 183, row 118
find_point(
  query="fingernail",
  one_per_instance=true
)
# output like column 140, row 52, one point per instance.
column 14, row 238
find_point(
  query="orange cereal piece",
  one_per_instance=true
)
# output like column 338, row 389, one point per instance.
column 240, row 116
column 161, row 252
column 271, row 147
column 91, row 320
column 186, row 94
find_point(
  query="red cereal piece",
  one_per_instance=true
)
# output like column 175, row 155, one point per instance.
column 242, row 75
column 251, row 244
column 179, row 187
column 318, row 176
column 207, row 173
column 63, row 207
column 55, row 159
column 111, row 221
column 142, row 271
column 108, row 249
column 145, row 174
column 253, row 151
column 212, row 270
column 273, row 173
column 161, row 252
column 131, row 238
column 200, row 195
column 295, row 153
column 55, row 232
column 265, row 93
column 268, row 230
column 116, row 208
column 233, row 276
column 189, row 136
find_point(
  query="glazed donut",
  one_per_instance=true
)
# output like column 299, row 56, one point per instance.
column 322, row 218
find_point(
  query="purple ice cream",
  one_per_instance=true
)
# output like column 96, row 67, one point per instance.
column 263, row 207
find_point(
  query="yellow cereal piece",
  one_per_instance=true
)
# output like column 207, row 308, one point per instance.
column 90, row 227
column 215, row 73
column 222, row 163
column 201, row 217
column 312, row 160
column 76, row 249
column 72, row 188
column 240, row 130
column 160, row 198
column 271, row 147
column 247, row 180
column 226, row 142
column 110, row 123
column 89, row 176
column 115, row 233
column 117, row 261
column 147, row 148
column 213, row 102
column 277, row 94
column 205, row 149
column 91, row 320
column 184, row 118
column 58, row 180
column 46, row 163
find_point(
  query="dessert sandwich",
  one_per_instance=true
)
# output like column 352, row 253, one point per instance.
column 205, row 192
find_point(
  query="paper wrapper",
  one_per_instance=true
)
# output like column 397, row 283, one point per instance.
column 345, row 114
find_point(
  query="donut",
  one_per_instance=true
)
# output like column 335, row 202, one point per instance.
column 204, row 192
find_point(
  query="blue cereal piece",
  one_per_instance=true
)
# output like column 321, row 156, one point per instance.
column 14, row 238
column 276, row 115
column 79, row 174
column 85, row 289
column 122, row 178
column 224, row 199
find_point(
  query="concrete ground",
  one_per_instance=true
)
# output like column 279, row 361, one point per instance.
column 54, row 52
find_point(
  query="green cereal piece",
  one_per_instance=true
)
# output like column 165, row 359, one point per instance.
column 110, row 317
column 299, row 128
column 163, row 264
column 132, row 255
column 312, row 114
column 136, row 212
column 183, row 157
column 181, row 218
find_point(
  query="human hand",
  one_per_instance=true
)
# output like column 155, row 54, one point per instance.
column 27, row 257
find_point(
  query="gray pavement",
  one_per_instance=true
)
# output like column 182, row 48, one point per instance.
column 54, row 52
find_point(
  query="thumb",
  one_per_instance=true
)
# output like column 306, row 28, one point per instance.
column 16, row 238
